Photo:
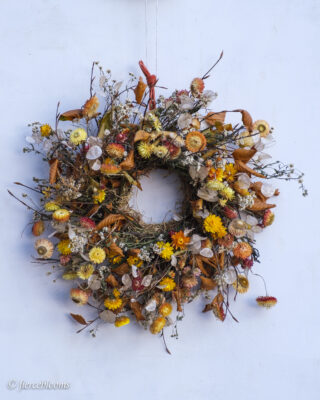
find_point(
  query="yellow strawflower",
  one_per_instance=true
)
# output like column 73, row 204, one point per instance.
column 85, row 271
column 145, row 149
column 214, row 225
column 229, row 172
column 227, row 193
column 168, row 284
column 78, row 136
column 45, row 130
column 112, row 304
column 97, row 255
column 167, row 251
column 121, row 321
column 51, row 206
column 215, row 185
column 64, row 247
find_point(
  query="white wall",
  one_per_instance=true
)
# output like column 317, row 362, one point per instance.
column 271, row 68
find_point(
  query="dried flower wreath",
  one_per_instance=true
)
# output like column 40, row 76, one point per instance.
column 119, row 264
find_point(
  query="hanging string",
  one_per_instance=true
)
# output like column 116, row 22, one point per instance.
column 146, row 27
column 157, row 11
column 146, row 12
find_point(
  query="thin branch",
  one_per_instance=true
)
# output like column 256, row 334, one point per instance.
column 206, row 75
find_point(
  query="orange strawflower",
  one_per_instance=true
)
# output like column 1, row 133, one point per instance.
column 179, row 240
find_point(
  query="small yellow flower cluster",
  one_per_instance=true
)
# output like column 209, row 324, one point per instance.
column 45, row 130
column 214, row 225
column 99, row 196
column 166, row 250
column 134, row 261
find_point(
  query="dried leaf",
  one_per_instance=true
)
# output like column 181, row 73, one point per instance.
column 216, row 306
column 259, row 205
column 139, row 90
column 136, row 308
column 212, row 118
column 93, row 210
column 177, row 296
column 115, row 249
column 133, row 252
column 243, row 167
column 244, row 155
column 109, row 220
column 105, row 123
column 141, row 135
column 256, row 187
column 128, row 163
column 121, row 269
column 207, row 283
column 201, row 266
column 111, row 280
column 53, row 171
column 246, row 119
column 217, row 303
column 79, row 318
column 71, row 115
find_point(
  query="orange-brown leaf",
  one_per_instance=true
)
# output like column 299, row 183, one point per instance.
column 177, row 296
column 207, row 283
column 111, row 280
column 121, row 269
column 201, row 266
column 244, row 155
column 139, row 90
column 79, row 318
column 243, row 167
column 246, row 119
column 109, row 220
column 115, row 249
column 141, row 135
column 260, row 205
column 53, row 171
column 71, row 115
column 137, row 309
column 128, row 163
column 212, row 118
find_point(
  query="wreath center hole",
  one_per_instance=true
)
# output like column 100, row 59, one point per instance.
column 161, row 196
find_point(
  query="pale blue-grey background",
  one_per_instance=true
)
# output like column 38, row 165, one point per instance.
column 271, row 68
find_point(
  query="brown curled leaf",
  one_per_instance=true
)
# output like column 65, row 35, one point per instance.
column 53, row 171
column 128, row 163
column 244, row 155
column 207, row 283
column 115, row 249
column 121, row 269
column 243, row 167
column 109, row 220
column 177, row 296
column 71, row 115
column 136, row 307
column 111, row 280
column 246, row 119
column 213, row 117
column 139, row 90
column 200, row 265
column 141, row 135
column 260, row 205
column 93, row 210
column 79, row 318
